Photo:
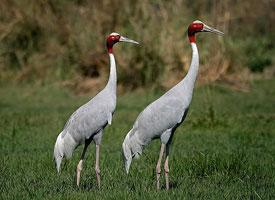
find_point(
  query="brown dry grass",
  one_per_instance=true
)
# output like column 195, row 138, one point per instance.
column 64, row 41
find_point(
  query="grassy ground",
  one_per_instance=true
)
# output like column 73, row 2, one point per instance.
column 225, row 149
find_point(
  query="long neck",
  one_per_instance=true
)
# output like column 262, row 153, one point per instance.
column 112, row 77
column 191, row 76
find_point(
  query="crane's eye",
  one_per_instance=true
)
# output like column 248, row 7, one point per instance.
column 114, row 37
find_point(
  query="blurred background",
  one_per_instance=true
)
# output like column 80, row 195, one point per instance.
column 50, row 41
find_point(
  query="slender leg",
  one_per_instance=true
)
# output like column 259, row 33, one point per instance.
column 80, row 164
column 97, row 170
column 166, row 166
column 158, row 170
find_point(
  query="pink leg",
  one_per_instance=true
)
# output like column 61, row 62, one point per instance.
column 80, row 164
column 78, row 171
column 166, row 167
column 158, row 169
column 97, row 170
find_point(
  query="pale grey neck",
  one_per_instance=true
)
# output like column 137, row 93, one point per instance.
column 192, row 73
column 112, row 82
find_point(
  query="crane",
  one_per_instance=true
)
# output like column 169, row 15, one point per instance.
column 87, row 123
column 161, row 118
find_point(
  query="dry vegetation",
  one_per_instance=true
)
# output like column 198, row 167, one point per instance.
column 64, row 41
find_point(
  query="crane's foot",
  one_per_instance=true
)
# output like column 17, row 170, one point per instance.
column 78, row 171
column 158, row 172
column 167, row 180
column 97, row 170
column 98, row 177
column 158, row 177
column 166, row 169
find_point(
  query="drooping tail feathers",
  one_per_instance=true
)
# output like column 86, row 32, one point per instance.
column 127, row 152
column 132, row 148
column 64, row 146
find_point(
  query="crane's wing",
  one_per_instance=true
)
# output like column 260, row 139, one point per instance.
column 90, row 118
column 162, row 114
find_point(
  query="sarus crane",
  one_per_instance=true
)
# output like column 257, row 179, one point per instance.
column 161, row 118
column 87, row 123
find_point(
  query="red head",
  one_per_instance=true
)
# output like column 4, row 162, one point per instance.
column 198, row 26
column 113, row 38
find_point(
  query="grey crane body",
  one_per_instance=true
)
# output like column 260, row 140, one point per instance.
column 86, row 124
column 161, row 118
column 88, row 121
column 93, row 116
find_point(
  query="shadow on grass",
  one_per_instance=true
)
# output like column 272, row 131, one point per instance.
column 174, row 185
column 88, row 186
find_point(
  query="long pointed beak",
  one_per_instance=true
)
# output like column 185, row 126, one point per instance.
column 125, row 39
column 212, row 30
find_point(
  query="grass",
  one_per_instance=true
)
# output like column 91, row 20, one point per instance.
column 224, row 150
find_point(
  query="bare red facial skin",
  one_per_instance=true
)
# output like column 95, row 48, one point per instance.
column 192, row 30
column 111, row 40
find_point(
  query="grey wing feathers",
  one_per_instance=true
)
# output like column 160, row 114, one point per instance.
column 160, row 118
column 163, row 114
column 164, row 110
column 89, row 118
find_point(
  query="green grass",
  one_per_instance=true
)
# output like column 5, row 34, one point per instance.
column 224, row 150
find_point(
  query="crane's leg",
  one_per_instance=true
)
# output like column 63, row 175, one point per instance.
column 158, row 169
column 80, row 164
column 97, row 139
column 166, row 166
column 97, row 170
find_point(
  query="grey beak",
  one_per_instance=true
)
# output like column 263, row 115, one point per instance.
column 125, row 39
column 212, row 30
